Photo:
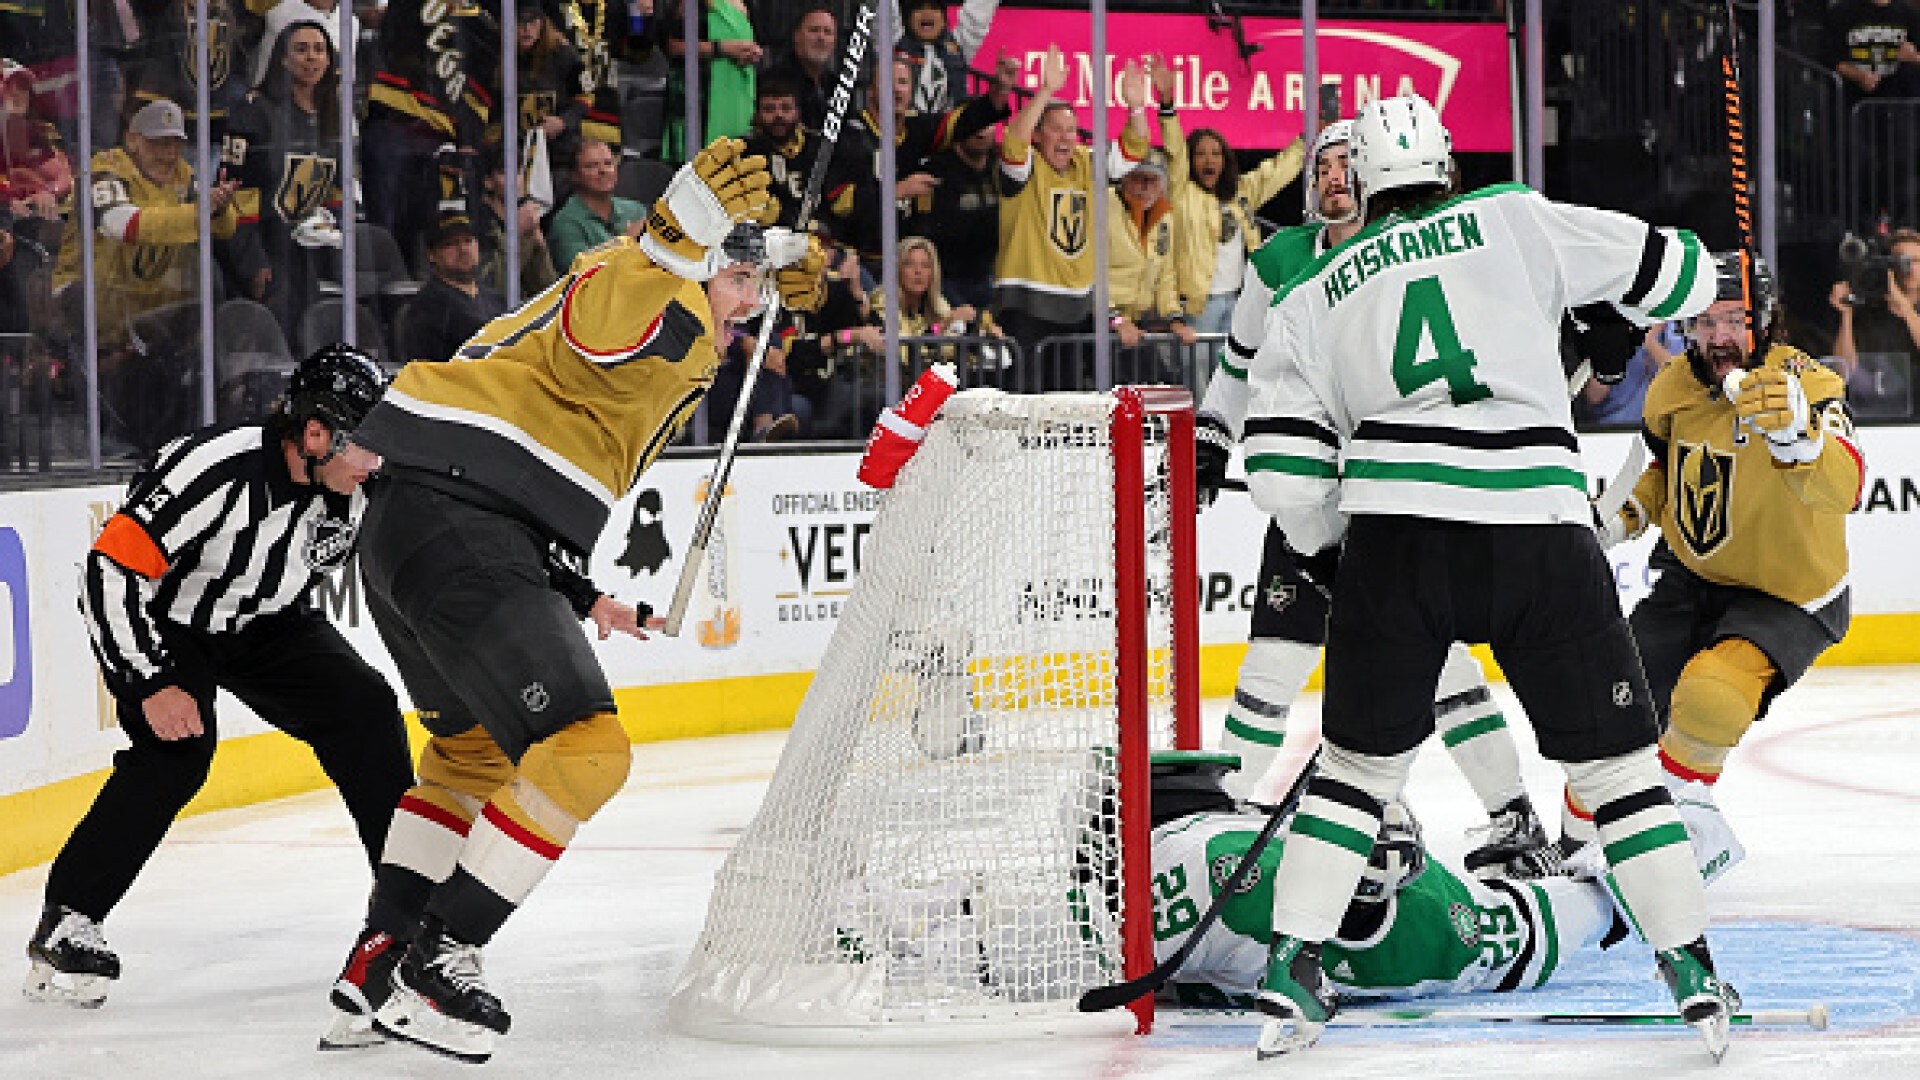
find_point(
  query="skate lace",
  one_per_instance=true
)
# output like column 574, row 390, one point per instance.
column 460, row 965
column 1504, row 826
column 83, row 933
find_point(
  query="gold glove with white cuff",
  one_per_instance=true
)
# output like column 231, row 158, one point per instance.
column 718, row 189
column 1771, row 402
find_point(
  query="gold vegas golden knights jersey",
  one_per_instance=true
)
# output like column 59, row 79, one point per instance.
column 1728, row 510
column 1045, row 266
column 145, row 256
column 558, row 407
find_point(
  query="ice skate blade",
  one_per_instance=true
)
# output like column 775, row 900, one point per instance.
column 1280, row 1037
column 350, row 1031
column 1285, row 1031
column 1716, row 1030
column 51, row 987
column 411, row 1018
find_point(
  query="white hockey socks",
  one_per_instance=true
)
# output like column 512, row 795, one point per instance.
column 1476, row 734
column 1646, row 845
column 1271, row 677
column 1331, row 838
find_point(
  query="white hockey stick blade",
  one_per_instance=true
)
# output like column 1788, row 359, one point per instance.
column 1621, row 486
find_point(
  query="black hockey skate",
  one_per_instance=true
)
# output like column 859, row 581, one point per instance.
column 440, row 999
column 1516, row 846
column 1706, row 1003
column 71, row 962
column 364, row 985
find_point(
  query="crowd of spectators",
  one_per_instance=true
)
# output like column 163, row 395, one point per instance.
column 994, row 191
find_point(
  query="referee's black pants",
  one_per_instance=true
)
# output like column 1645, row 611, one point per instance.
column 299, row 674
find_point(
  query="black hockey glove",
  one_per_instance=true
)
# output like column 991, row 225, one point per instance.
column 1605, row 339
column 1212, row 449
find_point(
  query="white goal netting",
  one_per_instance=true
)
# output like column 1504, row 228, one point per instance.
column 940, row 849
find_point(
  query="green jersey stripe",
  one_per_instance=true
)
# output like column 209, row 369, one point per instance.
column 1548, row 931
column 1689, row 267
column 1332, row 832
column 1296, row 466
column 1646, row 840
column 1473, row 729
column 1236, row 372
column 1237, row 726
column 1539, row 476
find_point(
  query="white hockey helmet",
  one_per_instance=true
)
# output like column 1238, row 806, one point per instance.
column 1338, row 133
column 1399, row 142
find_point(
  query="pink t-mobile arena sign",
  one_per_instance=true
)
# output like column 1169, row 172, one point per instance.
column 1460, row 67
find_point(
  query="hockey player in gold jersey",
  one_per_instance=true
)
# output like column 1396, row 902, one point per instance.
column 503, row 466
column 1751, row 482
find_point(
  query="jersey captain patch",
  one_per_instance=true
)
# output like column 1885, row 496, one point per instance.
column 1702, row 496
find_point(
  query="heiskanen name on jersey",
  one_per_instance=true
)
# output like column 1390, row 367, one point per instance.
column 1453, row 305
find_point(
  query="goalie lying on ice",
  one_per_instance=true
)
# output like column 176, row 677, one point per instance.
column 1415, row 927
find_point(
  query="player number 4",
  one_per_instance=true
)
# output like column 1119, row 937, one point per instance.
column 1424, row 313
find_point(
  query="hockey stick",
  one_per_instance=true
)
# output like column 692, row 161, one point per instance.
column 1102, row 998
column 1737, row 157
column 843, row 92
column 1814, row 1016
column 1621, row 486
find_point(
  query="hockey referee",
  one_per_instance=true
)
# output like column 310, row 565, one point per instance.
column 201, row 582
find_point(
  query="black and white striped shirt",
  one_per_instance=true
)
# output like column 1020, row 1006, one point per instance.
column 215, row 534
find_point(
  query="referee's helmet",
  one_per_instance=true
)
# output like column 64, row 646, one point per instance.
column 338, row 385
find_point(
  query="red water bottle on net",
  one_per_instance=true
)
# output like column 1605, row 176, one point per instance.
column 901, row 429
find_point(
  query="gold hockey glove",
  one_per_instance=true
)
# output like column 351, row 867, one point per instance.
column 720, row 186
column 1771, row 402
column 803, row 283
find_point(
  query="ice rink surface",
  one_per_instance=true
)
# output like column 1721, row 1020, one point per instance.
column 233, row 934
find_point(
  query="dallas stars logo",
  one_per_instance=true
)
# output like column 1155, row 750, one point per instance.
column 1280, row 593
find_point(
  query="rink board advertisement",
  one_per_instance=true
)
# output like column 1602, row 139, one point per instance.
column 794, row 531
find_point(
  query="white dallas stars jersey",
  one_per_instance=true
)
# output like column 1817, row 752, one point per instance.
column 1442, row 933
column 1415, row 369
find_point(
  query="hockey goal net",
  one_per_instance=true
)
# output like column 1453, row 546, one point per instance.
column 955, row 842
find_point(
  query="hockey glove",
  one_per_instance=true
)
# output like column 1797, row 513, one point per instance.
column 1771, row 402
column 1620, row 528
column 1605, row 339
column 1212, row 449
column 802, row 278
column 719, row 187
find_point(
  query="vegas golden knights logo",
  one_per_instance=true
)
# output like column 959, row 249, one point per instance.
column 536, row 107
column 152, row 261
column 219, row 48
column 1067, row 223
column 1703, row 494
column 304, row 184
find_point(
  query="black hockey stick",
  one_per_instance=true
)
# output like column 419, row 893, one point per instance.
column 858, row 38
column 1102, row 998
column 1737, row 158
column 1815, row 1016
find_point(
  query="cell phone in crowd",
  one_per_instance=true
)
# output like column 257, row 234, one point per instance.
column 1329, row 103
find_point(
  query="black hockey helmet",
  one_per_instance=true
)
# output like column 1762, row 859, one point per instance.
column 1189, row 782
column 1727, row 272
column 337, row 385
